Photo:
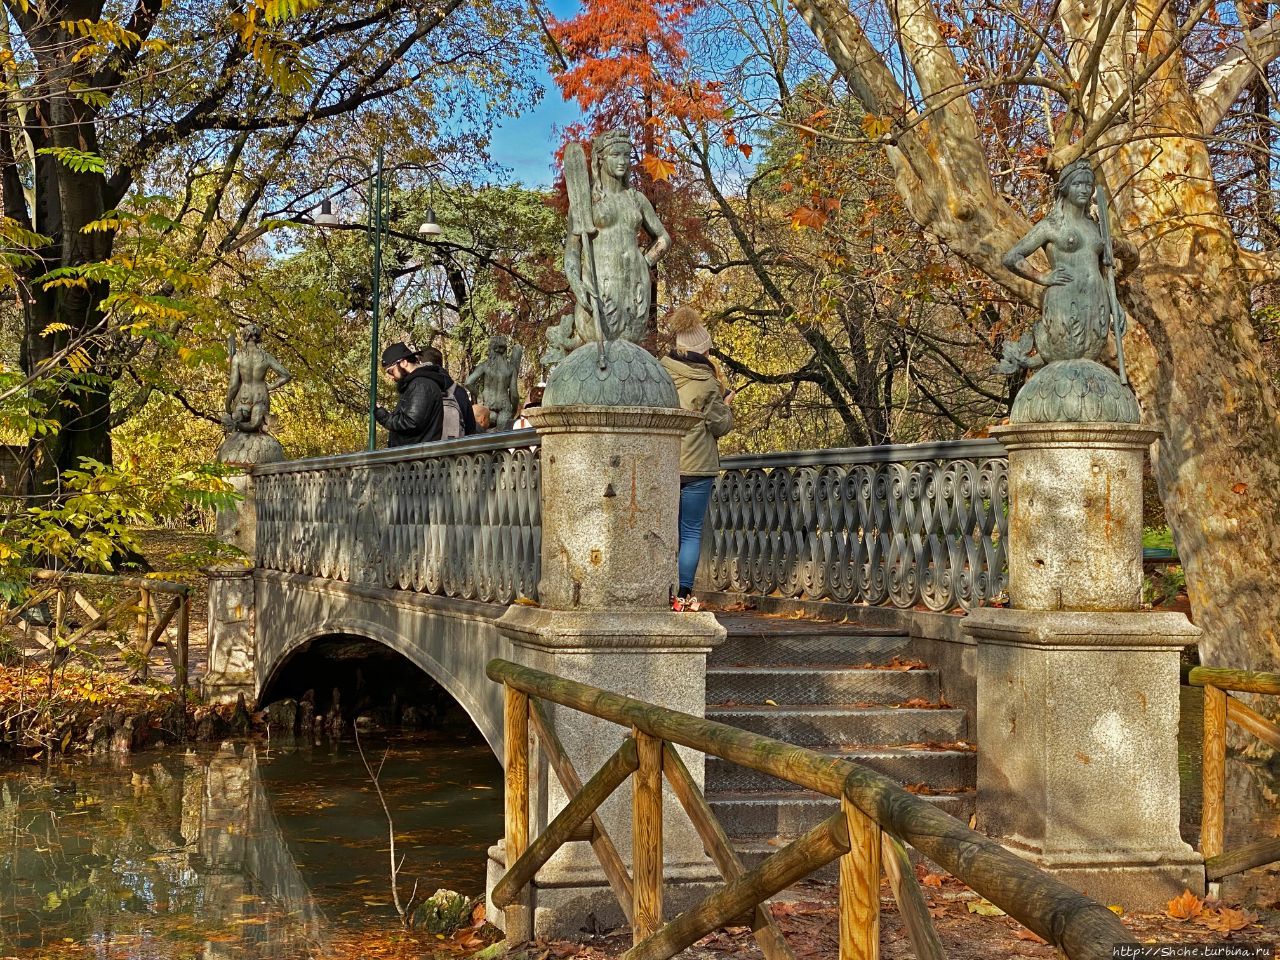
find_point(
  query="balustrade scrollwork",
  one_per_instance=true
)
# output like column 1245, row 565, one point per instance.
column 923, row 524
column 906, row 525
column 459, row 519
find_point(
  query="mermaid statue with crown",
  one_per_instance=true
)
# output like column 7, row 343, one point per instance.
column 1078, row 310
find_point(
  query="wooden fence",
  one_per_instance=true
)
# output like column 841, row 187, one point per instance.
column 866, row 836
column 1219, row 709
column 147, row 613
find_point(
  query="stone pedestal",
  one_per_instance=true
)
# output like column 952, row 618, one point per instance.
column 610, row 501
column 1077, row 689
column 230, row 670
column 1078, row 748
column 1075, row 514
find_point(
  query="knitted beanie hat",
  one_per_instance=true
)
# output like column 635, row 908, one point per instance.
column 691, row 335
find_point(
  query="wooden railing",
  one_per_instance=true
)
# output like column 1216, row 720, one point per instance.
column 1219, row 709
column 875, row 819
column 144, row 613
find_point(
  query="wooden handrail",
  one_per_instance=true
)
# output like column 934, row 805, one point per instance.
column 155, row 584
column 63, row 586
column 1220, row 709
column 1081, row 927
column 1242, row 681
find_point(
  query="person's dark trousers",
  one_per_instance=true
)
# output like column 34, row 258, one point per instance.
column 695, row 494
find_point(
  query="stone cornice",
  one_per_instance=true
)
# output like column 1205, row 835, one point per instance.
column 583, row 418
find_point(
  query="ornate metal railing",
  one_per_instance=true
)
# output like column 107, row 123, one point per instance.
column 893, row 525
column 462, row 518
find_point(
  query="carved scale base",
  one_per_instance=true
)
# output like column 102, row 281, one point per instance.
column 1075, row 391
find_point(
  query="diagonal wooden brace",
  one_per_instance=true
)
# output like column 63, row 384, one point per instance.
column 559, row 831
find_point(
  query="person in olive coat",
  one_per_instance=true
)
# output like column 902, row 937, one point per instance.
column 701, row 387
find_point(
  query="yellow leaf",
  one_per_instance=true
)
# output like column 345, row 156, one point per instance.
column 984, row 908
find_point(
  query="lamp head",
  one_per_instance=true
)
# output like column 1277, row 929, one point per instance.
column 326, row 217
column 429, row 226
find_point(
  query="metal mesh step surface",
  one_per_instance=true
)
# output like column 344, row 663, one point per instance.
column 767, row 814
column 940, row 769
column 808, row 649
column 818, row 685
column 828, row 727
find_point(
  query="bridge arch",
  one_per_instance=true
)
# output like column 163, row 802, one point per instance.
column 451, row 646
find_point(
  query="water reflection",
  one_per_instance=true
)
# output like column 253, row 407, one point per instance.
column 248, row 851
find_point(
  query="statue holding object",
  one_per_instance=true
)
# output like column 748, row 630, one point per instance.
column 607, row 270
column 609, row 273
column 248, row 402
column 1078, row 309
column 496, row 381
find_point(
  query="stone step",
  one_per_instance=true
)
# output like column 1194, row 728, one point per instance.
column 832, row 649
column 833, row 726
column 785, row 815
column 940, row 769
column 818, row 685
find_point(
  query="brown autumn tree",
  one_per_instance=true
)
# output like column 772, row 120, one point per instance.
column 1130, row 84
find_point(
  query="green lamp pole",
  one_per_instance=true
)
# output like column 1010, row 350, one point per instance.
column 375, row 215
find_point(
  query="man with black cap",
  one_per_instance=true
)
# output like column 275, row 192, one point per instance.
column 419, row 416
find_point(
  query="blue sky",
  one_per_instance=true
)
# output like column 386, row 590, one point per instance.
column 525, row 145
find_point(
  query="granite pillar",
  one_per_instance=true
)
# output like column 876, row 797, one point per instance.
column 1077, row 687
column 610, row 488
column 231, row 644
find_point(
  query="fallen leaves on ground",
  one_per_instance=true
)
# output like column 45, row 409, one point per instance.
column 1227, row 920
column 1185, row 906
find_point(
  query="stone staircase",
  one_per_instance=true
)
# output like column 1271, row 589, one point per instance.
column 836, row 689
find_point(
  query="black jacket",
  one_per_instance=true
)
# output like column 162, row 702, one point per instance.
column 419, row 416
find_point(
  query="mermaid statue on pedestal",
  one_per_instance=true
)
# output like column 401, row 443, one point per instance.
column 1078, row 310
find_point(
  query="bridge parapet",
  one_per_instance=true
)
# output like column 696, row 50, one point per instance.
column 923, row 523
column 462, row 518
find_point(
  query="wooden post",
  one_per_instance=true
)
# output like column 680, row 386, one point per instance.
column 860, row 887
column 515, row 744
column 144, row 619
column 721, row 851
column 603, row 845
column 180, row 664
column 646, row 839
column 1213, row 776
column 559, row 831
column 911, row 902
column 824, row 843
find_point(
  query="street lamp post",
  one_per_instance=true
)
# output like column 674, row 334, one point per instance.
column 376, row 217
column 376, row 226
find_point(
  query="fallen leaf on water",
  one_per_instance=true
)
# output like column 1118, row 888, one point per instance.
column 1186, row 906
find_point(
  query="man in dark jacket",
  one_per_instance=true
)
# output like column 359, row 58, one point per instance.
column 433, row 361
column 419, row 415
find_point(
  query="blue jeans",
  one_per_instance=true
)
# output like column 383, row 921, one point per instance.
column 694, row 496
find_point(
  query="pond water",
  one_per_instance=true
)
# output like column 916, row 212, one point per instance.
column 253, row 851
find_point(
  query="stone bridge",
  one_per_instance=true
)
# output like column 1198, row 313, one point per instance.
column 423, row 549
column 556, row 549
